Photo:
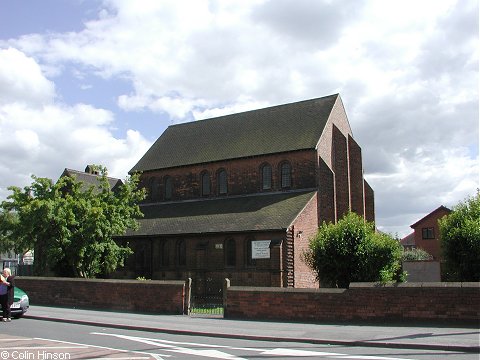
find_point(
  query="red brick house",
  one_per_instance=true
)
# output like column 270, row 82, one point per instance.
column 238, row 196
column 426, row 232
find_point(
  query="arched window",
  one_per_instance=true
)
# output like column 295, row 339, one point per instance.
column 168, row 188
column 230, row 253
column 149, row 187
column 205, row 183
column 161, row 251
column 266, row 177
column 154, row 189
column 181, row 253
column 285, row 175
column 249, row 261
column 222, row 183
column 164, row 254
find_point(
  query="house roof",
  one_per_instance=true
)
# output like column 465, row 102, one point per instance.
column 277, row 129
column 433, row 213
column 236, row 214
column 90, row 179
column 408, row 240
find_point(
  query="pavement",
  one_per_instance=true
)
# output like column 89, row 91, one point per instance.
column 406, row 336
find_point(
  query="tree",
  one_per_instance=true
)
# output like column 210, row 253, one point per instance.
column 460, row 240
column 72, row 225
column 352, row 250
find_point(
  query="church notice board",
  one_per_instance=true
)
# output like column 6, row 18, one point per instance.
column 261, row 249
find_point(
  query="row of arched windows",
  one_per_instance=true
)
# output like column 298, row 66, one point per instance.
column 163, row 254
column 222, row 183
column 163, row 260
column 285, row 182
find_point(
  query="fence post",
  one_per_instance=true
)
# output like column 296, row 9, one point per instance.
column 226, row 285
column 188, row 296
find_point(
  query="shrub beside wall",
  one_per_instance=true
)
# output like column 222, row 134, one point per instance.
column 151, row 296
column 433, row 302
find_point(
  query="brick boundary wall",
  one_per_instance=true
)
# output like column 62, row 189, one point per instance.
column 149, row 296
column 407, row 302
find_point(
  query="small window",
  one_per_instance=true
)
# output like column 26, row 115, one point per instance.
column 161, row 251
column 222, row 183
column 150, row 188
column 230, row 253
column 181, row 253
column 205, row 184
column 168, row 188
column 164, row 258
column 428, row 233
column 266, row 177
column 286, row 175
column 248, row 258
column 154, row 189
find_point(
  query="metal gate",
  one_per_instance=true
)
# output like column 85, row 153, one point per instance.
column 206, row 298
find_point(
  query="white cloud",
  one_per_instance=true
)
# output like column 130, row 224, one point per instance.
column 21, row 79
column 407, row 73
column 420, row 184
column 41, row 137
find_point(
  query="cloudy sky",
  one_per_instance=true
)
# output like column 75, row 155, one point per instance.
column 98, row 81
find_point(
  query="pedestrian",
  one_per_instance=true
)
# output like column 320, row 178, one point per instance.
column 7, row 286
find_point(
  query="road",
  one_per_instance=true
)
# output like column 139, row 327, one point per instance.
column 41, row 340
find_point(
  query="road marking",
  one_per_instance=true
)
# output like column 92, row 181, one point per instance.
column 168, row 345
column 183, row 350
column 156, row 356
column 367, row 357
column 293, row 352
column 305, row 353
column 46, row 347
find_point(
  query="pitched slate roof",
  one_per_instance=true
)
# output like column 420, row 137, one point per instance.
column 433, row 213
column 408, row 240
column 276, row 129
column 236, row 214
column 90, row 179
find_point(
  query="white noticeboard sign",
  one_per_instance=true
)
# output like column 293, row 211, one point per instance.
column 261, row 249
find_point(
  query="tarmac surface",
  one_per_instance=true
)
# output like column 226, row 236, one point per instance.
column 405, row 336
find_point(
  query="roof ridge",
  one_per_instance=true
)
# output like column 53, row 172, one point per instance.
column 85, row 173
column 276, row 129
column 272, row 107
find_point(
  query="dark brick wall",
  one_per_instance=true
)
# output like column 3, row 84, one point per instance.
column 244, row 175
column 433, row 302
column 369, row 202
column 356, row 177
column 340, row 169
column 161, row 297
column 206, row 260
column 326, row 194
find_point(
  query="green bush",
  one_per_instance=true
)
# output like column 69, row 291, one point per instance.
column 352, row 251
column 460, row 240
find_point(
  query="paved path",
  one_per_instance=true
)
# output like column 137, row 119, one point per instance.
column 465, row 339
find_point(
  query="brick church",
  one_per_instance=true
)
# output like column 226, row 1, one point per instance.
column 240, row 195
